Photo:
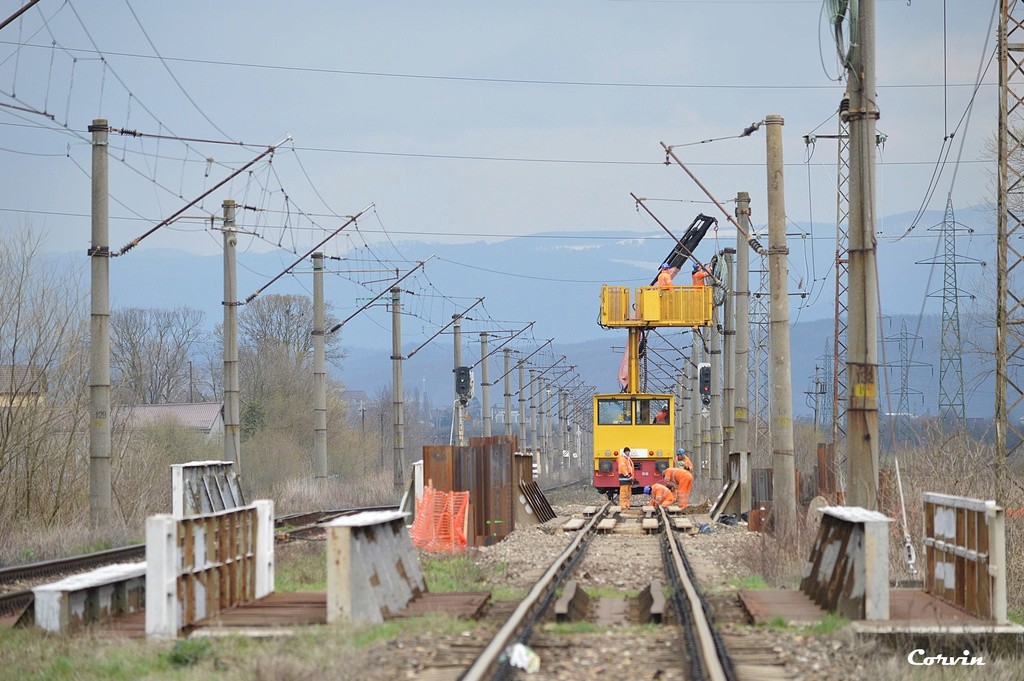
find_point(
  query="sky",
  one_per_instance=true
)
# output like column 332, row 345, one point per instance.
column 455, row 121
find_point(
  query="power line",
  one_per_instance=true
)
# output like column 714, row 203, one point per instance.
column 487, row 79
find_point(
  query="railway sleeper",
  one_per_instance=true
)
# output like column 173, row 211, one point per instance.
column 648, row 606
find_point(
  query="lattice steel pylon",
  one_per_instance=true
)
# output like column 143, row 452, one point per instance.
column 1009, row 257
column 842, row 283
column 837, row 399
column 903, row 432
column 828, row 379
column 951, row 366
column 760, row 398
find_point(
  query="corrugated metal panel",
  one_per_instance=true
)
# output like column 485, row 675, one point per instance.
column 761, row 485
column 541, row 507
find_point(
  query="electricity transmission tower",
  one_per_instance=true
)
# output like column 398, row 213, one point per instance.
column 951, row 368
column 903, row 431
column 1009, row 256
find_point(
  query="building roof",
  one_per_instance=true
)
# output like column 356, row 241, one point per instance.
column 23, row 379
column 199, row 416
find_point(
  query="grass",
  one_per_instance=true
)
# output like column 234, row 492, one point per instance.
column 749, row 583
column 829, row 624
column 304, row 570
column 446, row 574
column 32, row 655
column 1017, row 616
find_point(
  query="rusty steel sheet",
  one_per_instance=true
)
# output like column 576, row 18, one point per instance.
column 912, row 606
column 485, row 469
column 907, row 607
column 462, row 604
column 275, row 610
column 794, row 606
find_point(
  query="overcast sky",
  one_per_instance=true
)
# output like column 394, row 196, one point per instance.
column 463, row 120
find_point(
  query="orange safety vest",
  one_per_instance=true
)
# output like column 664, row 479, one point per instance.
column 684, row 483
column 626, row 468
column 699, row 276
column 664, row 279
column 662, row 495
column 676, row 475
column 661, row 417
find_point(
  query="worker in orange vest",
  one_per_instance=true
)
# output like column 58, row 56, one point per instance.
column 683, row 480
column 626, row 471
column 700, row 273
column 663, row 493
column 664, row 277
column 662, row 416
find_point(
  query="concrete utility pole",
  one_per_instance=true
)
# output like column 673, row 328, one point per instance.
column 508, row 391
column 232, row 404
column 715, row 358
column 485, row 386
column 741, row 443
column 533, row 422
column 522, row 405
column 319, row 371
column 398, row 458
column 783, row 465
column 862, row 352
column 99, row 333
column 728, row 356
column 697, row 452
column 563, row 421
column 460, row 421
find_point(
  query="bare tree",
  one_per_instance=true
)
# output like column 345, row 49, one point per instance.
column 150, row 353
column 284, row 322
column 42, row 395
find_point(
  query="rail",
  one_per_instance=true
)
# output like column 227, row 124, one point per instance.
column 520, row 623
column 708, row 656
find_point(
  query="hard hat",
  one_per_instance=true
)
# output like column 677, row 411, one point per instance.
column 664, row 266
column 680, row 451
column 696, row 266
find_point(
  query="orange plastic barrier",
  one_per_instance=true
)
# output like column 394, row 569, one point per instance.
column 439, row 520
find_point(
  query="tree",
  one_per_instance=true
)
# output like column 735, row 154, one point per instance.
column 43, row 397
column 150, row 353
column 275, row 353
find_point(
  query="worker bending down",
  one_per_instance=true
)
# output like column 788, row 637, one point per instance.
column 663, row 493
column 682, row 478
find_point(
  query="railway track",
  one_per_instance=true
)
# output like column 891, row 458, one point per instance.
column 684, row 646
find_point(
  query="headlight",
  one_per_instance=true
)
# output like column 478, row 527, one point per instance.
column 660, row 466
column 605, row 466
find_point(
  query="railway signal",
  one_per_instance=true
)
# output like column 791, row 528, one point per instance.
column 704, row 382
column 464, row 384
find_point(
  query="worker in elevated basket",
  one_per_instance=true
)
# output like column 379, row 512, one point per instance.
column 664, row 277
column 700, row 273
column 626, row 471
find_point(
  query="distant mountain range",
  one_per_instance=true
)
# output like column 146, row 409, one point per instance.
column 554, row 280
